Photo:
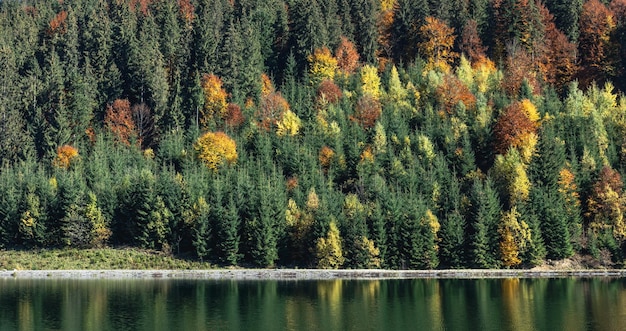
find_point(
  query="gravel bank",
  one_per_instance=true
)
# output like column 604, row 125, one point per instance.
column 301, row 274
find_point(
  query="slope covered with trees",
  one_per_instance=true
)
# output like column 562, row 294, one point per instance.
column 328, row 133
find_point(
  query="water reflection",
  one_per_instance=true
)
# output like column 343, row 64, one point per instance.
column 423, row 304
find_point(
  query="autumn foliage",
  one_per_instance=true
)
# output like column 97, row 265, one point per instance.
column 58, row 24
column 453, row 91
column 323, row 65
column 516, row 127
column 437, row 44
column 273, row 106
column 594, row 44
column 215, row 149
column 234, row 116
column 607, row 203
column 471, row 45
column 367, row 112
column 214, row 99
column 329, row 92
column 65, row 155
column 119, row 120
column 347, row 56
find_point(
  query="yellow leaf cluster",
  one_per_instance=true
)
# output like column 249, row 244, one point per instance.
column 214, row 98
column 65, row 155
column 266, row 85
column 323, row 65
column 515, row 235
column 370, row 81
column 511, row 172
column 326, row 155
column 289, row 125
column 530, row 110
column 328, row 250
column 215, row 149
column 437, row 43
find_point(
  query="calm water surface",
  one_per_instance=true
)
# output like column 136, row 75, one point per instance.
column 423, row 304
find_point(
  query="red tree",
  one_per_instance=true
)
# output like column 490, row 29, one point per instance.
column 119, row 120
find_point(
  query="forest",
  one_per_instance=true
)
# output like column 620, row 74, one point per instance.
column 400, row 134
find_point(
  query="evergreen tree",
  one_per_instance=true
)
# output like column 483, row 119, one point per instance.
column 484, row 216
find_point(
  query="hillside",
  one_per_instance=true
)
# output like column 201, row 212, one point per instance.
column 327, row 133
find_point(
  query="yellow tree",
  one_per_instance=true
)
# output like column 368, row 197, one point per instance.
column 328, row 250
column 289, row 124
column 66, row 155
column 437, row 43
column 215, row 149
column 370, row 82
column 214, row 99
column 323, row 65
column 515, row 235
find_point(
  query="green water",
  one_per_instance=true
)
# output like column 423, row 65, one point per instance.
column 423, row 304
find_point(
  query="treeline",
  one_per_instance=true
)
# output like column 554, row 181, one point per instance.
column 328, row 133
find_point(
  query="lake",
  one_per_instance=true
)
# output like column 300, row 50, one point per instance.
column 420, row 304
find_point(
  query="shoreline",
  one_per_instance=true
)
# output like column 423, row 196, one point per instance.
column 307, row 274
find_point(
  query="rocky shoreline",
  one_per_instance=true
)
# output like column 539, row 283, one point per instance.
column 305, row 274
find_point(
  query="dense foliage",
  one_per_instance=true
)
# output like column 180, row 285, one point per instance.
column 329, row 133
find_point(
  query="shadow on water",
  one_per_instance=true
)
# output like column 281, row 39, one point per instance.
column 419, row 304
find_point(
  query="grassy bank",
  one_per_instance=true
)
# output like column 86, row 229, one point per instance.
column 93, row 259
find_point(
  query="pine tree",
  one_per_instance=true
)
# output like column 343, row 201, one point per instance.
column 484, row 217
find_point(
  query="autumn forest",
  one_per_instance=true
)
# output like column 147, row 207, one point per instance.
column 401, row 134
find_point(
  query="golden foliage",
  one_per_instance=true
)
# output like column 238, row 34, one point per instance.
column 289, row 125
column 370, row 82
column 510, row 172
column 214, row 99
column 437, row 43
column 328, row 250
column 215, row 149
column 322, row 65
column 515, row 235
column 326, row 156
column 267, row 86
column 66, row 154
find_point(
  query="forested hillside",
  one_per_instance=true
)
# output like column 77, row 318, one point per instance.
column 324, row 133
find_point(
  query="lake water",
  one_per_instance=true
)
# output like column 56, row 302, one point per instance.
column 421, row 304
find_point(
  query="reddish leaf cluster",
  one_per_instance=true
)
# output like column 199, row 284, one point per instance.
column 234, row 116
column 519, row 67
column 186, row 11
column 367, row 112
column 273, row 106
column 142, row 4
column 594, row 45
column 58, row 24
column 329, row 91
column 471, row 45
column 292, row 183
column 119, row 120
column 453, row 91
column 608, row 178
column 512, row 127
column 557, row 62
column 347, row 56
